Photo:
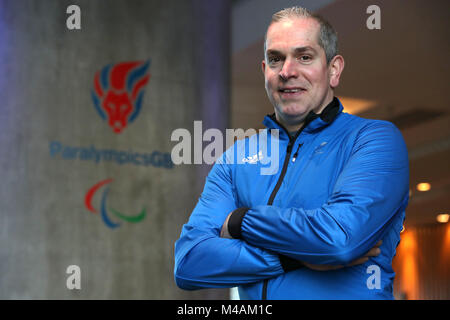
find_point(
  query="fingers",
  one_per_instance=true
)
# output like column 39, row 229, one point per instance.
column 321, row 267
column 358, row 261
column 373, row 252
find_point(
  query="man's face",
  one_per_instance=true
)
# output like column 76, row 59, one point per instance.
column 296, row 74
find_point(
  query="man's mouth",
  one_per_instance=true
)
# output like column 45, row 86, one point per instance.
column 291, row 92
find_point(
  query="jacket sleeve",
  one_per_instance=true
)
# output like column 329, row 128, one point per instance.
column 372, row 188
column 202, row 258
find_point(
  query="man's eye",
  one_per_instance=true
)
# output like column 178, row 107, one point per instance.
column 274, row 59
column 305, row 58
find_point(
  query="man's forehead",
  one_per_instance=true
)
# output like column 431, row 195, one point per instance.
column 296, row 32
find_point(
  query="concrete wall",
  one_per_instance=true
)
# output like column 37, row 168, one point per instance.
column 46, row 86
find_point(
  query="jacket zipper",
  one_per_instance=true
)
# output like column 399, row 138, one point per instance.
column 283, row 172
column 296, row 152
column 280, row 181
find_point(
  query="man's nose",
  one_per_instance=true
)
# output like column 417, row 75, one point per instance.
column 289, row 69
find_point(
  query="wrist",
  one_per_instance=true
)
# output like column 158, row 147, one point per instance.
column 289, row 264
column 235, row 222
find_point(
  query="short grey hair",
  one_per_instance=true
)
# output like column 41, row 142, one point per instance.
column 328, row 39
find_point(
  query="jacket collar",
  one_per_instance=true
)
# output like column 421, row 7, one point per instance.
column 313, row 121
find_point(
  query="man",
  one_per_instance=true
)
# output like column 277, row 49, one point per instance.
column 311, row 230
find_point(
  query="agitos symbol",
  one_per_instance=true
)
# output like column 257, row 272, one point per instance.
column 104, row 214
column 118, row 92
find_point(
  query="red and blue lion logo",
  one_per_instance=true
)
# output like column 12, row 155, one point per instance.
column 118, row 92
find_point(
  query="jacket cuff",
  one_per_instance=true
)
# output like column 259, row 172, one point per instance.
column 289, row 264
column 235, row 222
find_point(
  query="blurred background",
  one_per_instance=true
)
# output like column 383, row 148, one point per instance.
column 80, row 188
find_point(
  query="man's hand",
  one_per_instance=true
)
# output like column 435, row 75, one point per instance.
column 224, row 232
column 375, row 251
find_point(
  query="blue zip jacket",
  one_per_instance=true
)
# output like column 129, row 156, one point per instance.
column 341, row 186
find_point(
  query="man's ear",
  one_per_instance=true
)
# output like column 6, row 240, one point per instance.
column 263, row 65
column 336, row 67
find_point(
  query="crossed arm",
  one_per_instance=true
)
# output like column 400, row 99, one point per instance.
column 375, row 251
column 344, row 231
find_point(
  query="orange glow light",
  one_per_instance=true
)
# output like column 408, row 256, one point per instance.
column 442, row 218
column 409, row 269
column 424, row 186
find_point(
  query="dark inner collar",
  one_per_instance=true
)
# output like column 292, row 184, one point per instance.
column 328, row 114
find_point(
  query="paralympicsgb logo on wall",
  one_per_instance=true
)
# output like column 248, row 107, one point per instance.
column 118, row 92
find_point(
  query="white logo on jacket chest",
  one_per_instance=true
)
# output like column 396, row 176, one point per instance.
column 253, row 159
column 319, row 148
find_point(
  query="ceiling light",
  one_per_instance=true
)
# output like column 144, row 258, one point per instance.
column 424, row 186
column 442, row 218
